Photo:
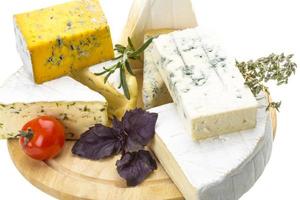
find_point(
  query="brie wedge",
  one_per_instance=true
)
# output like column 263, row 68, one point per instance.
column 207, row 87
column 220, row 168
column 75, row 105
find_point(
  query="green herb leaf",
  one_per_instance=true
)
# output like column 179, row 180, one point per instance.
column 107, row 76
column 124, row 83
column 274, row 105
column 101, row 73
column 143, row 47
column 118, row 57
column 130, row 44
column 274, row 67
column 128, row 67
column 126, row 54
column 119, row 48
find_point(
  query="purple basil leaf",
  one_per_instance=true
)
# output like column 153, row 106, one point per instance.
column 117, row 124
column 136, row 166
column 139, row 125
column 99, row 142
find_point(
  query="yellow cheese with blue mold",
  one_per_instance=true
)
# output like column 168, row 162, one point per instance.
column 56, row 40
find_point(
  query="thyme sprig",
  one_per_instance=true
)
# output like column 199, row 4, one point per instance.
column 125, row 55
column 274, row 67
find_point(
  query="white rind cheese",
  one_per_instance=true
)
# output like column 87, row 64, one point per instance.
column 220, row 168
column 207, row 87
column 22, row 89
column 23, row 49
column 148, row 15
column 74, row 104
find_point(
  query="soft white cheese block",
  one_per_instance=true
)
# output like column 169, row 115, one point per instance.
column 208, row 90
column 220, row 168
column 74, row 104
column 147, row 15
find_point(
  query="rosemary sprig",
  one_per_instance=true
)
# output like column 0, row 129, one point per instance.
column 274, row 67
column 125, row 55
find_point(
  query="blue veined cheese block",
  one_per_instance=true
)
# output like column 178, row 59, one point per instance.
column 206, row 86
column 154, row 92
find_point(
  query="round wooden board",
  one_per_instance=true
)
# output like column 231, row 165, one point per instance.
column 70, row 177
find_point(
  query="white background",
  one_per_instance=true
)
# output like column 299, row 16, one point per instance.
column 249, row 29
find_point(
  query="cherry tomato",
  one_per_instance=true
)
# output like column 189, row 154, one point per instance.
column 42, row 138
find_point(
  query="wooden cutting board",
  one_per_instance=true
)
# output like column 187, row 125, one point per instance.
column 70, row 177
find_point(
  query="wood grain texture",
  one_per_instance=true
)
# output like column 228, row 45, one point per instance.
column 70, row 177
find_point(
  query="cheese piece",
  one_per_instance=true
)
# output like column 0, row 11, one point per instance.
column 155, row 92
column 209, row 92
column 117, row 102
column 221, row 168
column 55, row 40
column 147, row 15
column 75, row 105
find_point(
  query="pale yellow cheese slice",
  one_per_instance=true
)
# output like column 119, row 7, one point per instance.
column 75, row 105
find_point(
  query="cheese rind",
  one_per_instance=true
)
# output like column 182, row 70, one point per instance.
column 221, row 168
column 155, row 92
column 75, row 105
column 56, row 40
column 208, row 90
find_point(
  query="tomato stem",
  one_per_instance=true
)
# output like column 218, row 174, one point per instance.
column 27, row 135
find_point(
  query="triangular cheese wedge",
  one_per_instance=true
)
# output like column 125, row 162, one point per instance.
column 74, row 104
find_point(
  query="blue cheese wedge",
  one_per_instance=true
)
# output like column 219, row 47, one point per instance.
column 155, row 92
column 221, row 168
column 207, row 87
column 75, row 105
